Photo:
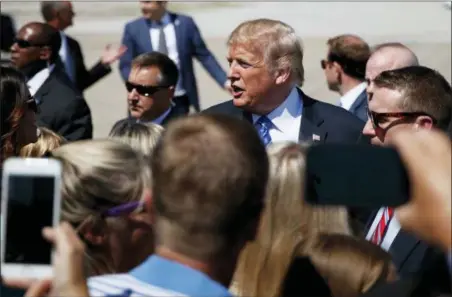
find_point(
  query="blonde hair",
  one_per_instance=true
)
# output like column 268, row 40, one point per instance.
column 350, row 266
column 277, row 41
column 98, row 175
column 142, row 137
column 47, row 142
column 287, row 225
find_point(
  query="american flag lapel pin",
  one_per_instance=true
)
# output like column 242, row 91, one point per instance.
column 315, row 137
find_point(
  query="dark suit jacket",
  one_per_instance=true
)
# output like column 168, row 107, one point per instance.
column 417, row 260
column 8, row 32
column 331, row 123
column 85, row 78
column 173, row 114
column 359, row 107
column 62, row 108
column 189, row 44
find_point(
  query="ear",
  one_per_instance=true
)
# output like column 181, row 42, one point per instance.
column 282, row 76
column 337, row 68
column 171, row 91
column 94, row 231
column 45, row 53
column 424, row 122
column 148, row 205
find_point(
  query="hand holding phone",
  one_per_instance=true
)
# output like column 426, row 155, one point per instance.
column 31, row 198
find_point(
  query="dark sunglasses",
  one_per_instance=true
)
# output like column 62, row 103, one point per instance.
column 323, row 64
column 378, row 117
column 26, row 44
column 144, row 90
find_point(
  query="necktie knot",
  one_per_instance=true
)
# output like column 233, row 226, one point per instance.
column 263, row 126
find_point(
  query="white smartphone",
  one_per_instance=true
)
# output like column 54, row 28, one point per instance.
column 31, row 199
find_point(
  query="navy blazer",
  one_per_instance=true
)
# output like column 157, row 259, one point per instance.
column 189, row 44
column 331, row 123
column 359, row 107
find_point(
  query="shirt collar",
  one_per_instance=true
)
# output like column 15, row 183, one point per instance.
column 284, row 114
column 350, row 97
column 38, row 79
column 173, row 276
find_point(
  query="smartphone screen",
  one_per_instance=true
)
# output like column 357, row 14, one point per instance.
column 29, row 210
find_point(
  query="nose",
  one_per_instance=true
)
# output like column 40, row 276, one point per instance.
column 133, row 95
column 14, row 47
column 368, row 129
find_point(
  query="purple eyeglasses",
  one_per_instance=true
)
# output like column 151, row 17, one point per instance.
column 122, row 209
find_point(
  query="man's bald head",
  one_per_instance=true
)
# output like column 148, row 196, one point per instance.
column 35, row 42
column 389, row 56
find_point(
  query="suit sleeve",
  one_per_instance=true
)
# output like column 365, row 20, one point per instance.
column 74, row 121
column 125, row 61
column 86, row 78
column 206, row 58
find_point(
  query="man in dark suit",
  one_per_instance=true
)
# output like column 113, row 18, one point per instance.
column 264, row 81
column 151, row 86
column 344, row 70
column 177, row 36
column 59, row 14
column 413, row 97
column 61, row 107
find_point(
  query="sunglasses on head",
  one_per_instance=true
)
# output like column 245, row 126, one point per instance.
column 26, row 44
column 378, row 117
column 144, row 90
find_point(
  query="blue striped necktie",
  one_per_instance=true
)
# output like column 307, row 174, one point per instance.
column 263, row 126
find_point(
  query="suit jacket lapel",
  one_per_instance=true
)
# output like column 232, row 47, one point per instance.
column 310, row 128
column 402, row 247
column 146, row 33
column 359, row 101
column 44, row 89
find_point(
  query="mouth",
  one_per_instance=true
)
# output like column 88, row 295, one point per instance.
column 237, row 91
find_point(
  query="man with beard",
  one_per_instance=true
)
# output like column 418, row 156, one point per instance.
column 61, row 108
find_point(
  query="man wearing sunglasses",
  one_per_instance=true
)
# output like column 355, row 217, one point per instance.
column 413, row 97
column 150, row 89
column 61, row 108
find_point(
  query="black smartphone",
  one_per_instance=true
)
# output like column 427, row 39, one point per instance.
column 355, row 176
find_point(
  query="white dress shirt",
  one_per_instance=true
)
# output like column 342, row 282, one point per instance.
column 286, row 119
column 391, row 232
column 38, row 80
column 66, row 57
column 171, row 44
column 350, row 97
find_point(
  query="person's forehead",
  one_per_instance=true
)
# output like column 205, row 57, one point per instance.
column 145, row 75
column 245, row 52
column 385, row 100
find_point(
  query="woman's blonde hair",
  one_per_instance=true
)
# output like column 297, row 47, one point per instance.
column 350, row 266
column 46, row 143
column 287, row 225
column 142, row 137
column 98, row 175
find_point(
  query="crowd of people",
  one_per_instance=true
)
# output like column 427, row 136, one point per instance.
column 212, row 203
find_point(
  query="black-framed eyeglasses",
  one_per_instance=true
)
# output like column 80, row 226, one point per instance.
column 378, row 117
column 22, row 43
column 144, row 90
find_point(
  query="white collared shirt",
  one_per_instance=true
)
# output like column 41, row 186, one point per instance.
column 38, row 79
column 350, row 97
column 391, row 233
column 171, row 44
column 286, row 119
column 65, row 56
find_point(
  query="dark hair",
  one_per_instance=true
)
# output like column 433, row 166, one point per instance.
column 13, row 96
column 351, row 52
column 168, row 69
column 424, row 90
column 48, row 9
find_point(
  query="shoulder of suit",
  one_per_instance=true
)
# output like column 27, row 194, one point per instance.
column 224, row 107
column 338, row 114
